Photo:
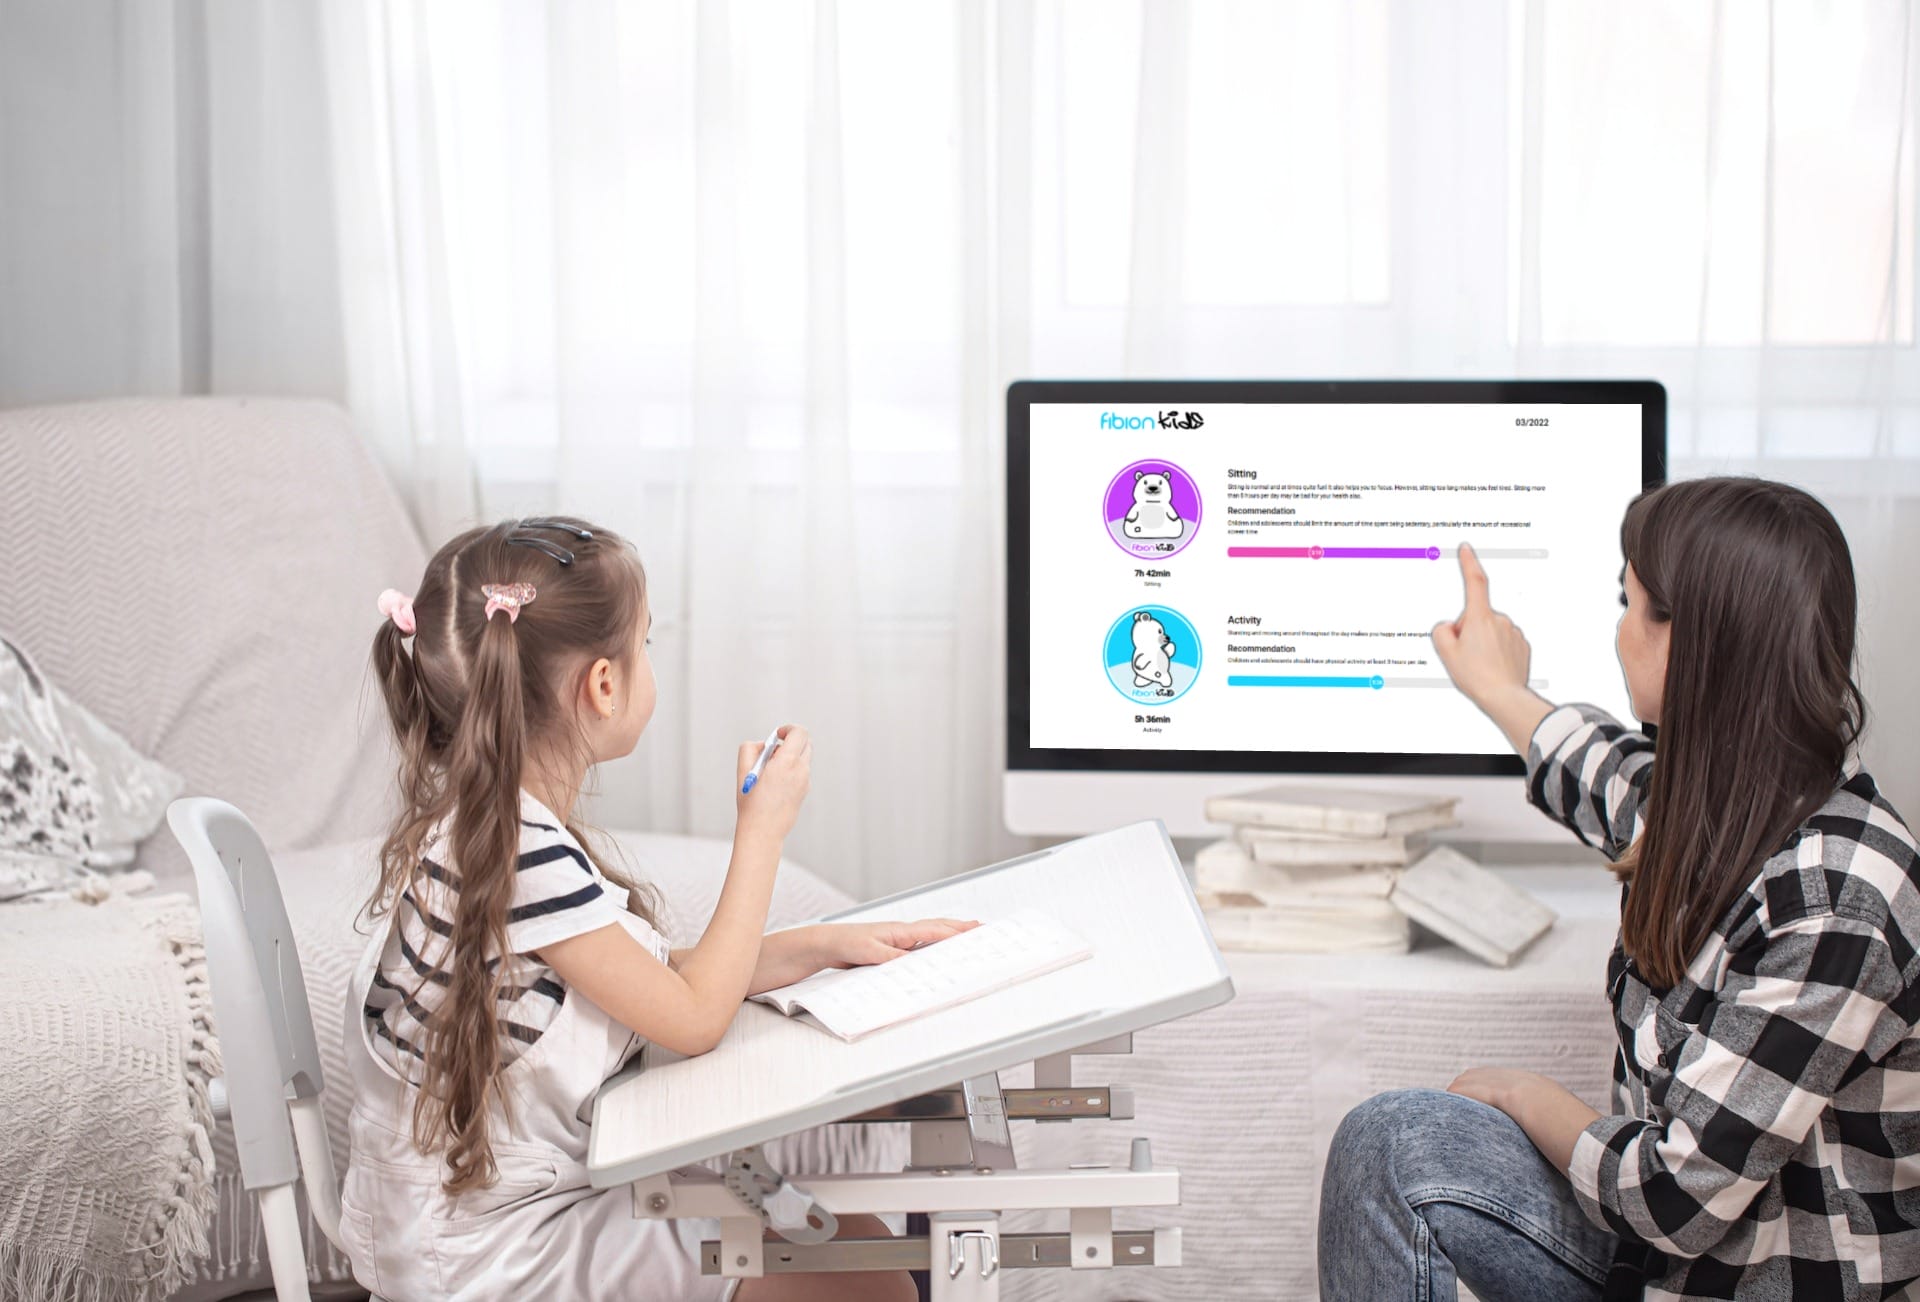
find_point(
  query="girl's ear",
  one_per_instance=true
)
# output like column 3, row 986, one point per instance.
column 600, row 687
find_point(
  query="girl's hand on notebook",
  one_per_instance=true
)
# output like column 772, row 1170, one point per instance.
column 861, row 944
column 770, row 810
column 799, row 952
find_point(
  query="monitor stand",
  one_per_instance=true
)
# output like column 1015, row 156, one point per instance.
column 1073, row 803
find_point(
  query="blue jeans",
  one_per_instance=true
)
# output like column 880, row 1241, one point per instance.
column 1425, row 1190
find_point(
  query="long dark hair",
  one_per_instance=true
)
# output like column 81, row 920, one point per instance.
column 1760, row 709
column 470, row 704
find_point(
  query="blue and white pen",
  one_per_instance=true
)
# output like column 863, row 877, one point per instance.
column 753, row 774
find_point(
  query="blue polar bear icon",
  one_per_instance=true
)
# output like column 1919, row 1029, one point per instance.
column 1152, row 652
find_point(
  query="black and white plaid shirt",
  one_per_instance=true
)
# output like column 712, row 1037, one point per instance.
column 1765, row 1141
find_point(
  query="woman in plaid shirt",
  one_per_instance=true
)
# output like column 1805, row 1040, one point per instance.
column 1765, row 1136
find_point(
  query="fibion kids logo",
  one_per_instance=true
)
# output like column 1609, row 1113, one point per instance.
column 1158, row 420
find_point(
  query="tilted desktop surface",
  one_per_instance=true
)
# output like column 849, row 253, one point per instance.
column 1125, row 892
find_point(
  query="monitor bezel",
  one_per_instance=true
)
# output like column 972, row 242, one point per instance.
column 1649, row 395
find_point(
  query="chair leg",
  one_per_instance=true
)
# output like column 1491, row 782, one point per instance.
column 280, row 1216
column 316, row 1166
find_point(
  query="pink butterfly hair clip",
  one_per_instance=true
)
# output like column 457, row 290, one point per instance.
column 508, row 597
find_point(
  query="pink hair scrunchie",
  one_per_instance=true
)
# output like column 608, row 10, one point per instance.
column 398, row 607
column 508, row 597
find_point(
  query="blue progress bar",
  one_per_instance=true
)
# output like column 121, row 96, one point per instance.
column 1302, row 680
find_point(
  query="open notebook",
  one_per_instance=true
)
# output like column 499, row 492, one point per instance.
column 857, row 1001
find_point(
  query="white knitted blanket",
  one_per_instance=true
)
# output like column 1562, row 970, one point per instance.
column 106, row 1152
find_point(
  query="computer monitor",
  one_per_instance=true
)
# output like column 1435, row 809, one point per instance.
column 1213, row 585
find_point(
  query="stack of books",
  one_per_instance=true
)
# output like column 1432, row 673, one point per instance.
column 1314, row 870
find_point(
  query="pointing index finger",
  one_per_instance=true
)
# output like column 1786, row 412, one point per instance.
column 1475, row 577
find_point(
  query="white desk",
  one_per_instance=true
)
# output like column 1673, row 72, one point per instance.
column 1153, row 961
column 1124, row 892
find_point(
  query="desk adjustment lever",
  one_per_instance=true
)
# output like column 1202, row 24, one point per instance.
column 788, row 1210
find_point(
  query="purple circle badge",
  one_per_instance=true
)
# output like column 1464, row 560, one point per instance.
column 1152, row 509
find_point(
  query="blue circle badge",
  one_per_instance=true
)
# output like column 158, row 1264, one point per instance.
column 1152, row 655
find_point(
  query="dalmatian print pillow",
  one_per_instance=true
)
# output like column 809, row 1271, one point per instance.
column 74, row 796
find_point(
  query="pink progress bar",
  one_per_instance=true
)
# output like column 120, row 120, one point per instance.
column 1342, row 553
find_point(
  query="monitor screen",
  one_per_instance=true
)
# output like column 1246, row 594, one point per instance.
column 1243, row 576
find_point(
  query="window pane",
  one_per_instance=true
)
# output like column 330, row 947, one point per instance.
column 1655, row 211
column 1286, row 185
column 1283, row 189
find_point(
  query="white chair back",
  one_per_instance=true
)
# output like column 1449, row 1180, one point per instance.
column 271, row 1061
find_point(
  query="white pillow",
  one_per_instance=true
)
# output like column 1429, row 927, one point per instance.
column 74, row 795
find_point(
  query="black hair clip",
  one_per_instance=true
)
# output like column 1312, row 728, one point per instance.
column 584, row 535
column 552, row 549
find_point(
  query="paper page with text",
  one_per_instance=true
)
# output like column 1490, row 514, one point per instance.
column 1266, row 576
column 857, row 1001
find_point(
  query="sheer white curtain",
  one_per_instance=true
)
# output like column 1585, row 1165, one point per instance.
column 745, row 279
column 168, row 223
column 165, row 220
column 1731, row 210
column 726, row 278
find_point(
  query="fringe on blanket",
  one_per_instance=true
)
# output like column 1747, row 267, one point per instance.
column 42, row 1277
column 177, row 1233
column 176, row 1230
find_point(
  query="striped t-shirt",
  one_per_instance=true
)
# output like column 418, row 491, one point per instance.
column 557, row 894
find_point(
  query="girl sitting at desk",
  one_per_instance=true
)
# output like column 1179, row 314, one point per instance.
column 516, row 971
column 1765, row 1136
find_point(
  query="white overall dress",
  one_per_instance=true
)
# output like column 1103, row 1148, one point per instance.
column 541, row 1231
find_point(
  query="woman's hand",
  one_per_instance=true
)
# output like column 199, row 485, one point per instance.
column 789, row 956
column 1483, row 651
column 1494, row 1086
column 1487, row 656
column 1547, row 1110
column 769, row 811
